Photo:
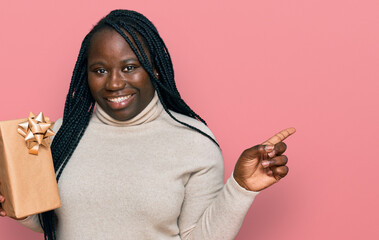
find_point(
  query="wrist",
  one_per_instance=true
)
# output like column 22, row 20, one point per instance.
column 240, row 182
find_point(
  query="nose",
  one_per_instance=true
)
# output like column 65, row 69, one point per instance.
column 115, row 81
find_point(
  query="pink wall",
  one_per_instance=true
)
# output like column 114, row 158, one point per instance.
column 250, row 68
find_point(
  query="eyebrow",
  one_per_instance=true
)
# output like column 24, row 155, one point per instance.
column 129, row 60
column 95, row 63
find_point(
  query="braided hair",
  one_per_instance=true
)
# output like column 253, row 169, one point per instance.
column 80, row 104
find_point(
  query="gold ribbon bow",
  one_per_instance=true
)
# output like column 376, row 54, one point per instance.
column 36, row 131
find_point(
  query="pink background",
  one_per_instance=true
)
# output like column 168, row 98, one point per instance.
column 250, row 68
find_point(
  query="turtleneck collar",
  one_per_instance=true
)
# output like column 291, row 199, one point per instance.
column 151, row 112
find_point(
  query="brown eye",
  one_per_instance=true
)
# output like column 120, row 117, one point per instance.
column 129, row 68
column 101, row 71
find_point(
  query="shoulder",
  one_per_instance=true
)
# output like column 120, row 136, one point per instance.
column 57, row 125
column 204, row 155
column 190, row 121
column 188, row 139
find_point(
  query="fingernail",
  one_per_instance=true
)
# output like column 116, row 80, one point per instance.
column 2, row 213
column 265, row 163
column 271, row 154
column 269, row 147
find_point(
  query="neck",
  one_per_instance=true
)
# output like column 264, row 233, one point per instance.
column 148, row 114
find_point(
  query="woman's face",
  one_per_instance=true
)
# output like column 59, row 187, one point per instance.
column 117, row 80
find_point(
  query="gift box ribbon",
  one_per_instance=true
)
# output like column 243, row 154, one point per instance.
column 36, row 131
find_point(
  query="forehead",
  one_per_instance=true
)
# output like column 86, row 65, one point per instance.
column 109, row 42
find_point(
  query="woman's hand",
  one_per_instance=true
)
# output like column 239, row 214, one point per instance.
column 263, row 165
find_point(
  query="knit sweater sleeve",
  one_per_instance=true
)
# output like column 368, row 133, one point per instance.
column 212, row 210
column 32, row 223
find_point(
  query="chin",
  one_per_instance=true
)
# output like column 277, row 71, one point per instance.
column 121, row 116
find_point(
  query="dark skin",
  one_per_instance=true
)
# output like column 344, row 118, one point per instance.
column 122, row 87
column 118, row 82
column 261, row 166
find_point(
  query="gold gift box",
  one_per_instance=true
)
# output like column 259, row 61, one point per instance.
column 27, row 181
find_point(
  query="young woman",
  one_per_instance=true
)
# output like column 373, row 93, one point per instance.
column 144, row 165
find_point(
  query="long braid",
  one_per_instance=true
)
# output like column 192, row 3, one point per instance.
column 80, row 104
column 77, row 113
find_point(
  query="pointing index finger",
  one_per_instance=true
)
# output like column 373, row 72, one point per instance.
column 280, row 136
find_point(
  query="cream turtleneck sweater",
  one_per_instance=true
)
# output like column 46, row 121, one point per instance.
column 147, row 178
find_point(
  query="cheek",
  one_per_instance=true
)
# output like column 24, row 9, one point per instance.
column 142, row 81
column 148, row 85
column 148, row 89
column 94, row 89
column 94, row 85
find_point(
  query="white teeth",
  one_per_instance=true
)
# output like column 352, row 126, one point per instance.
column 119, row 99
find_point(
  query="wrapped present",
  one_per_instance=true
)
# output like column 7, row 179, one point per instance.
column 27, row 177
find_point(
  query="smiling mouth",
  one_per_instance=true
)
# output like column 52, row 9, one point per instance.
column 119, row 99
